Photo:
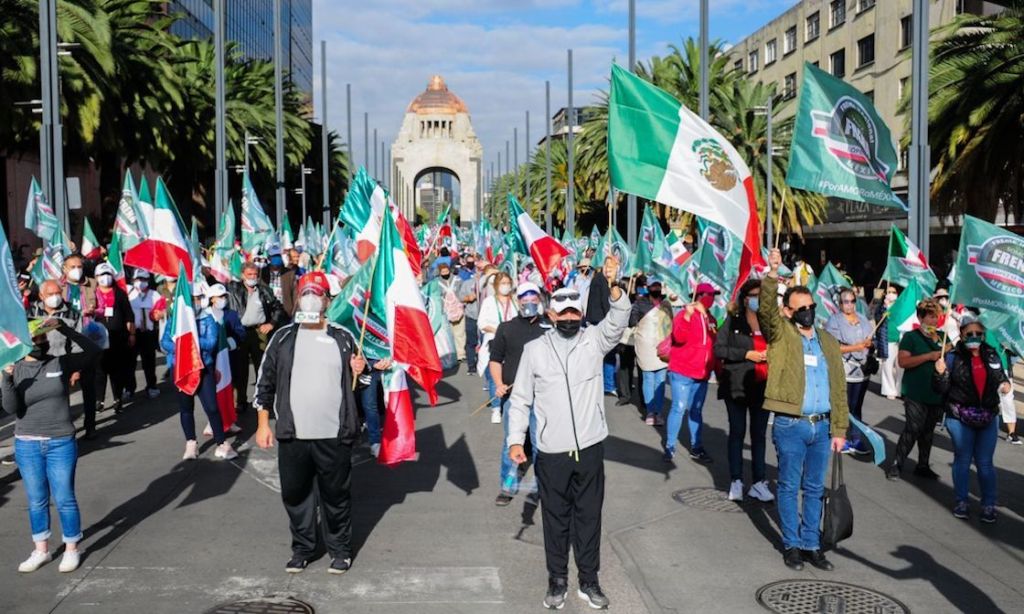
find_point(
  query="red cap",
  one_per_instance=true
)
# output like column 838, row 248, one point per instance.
column 314, row 281
column 706, row 288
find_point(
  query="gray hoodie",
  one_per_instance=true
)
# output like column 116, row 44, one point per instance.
column 562, row 379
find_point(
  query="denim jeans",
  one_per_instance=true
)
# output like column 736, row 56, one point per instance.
column 371, row 409
column 510, row 471
column 609, row 371
column 803, row 451
column 491, row 389
column 654, row 391
column 207, row 393
column 48, row 466
column 738, row 432
column 855, row 392
column 687, row 399
column 978, row 445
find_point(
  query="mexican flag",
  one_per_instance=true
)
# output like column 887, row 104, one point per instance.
column 547, row 253
column 114, row 257
column 650, row 241
column 224, row 246
column 349, row 310
column 40, row 217
column 362, row 213
column 989, row 268
column 287, row 236
column 256, row 226
column 902, row 314
column 188, row 362
column 660, row 150
column 841, row 147
column 222, row 370
column 398, row 439
column 907, row 264
column 15, row 340
column 90, row 245
column 412, row 246
column 166, row 249
column 129, row 224
column 676, row 248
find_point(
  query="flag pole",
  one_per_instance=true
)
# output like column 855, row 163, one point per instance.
column 366, row 306
column 782, row 208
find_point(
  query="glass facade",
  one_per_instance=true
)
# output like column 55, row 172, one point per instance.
column 250, row 25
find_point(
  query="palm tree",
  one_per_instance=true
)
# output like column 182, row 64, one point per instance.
column 976, row 104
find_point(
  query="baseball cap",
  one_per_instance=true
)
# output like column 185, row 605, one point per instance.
column 103, row 268
column 706, row 288
column 968, row 317
column 315, row 282
column 215, row 290
column 525, row 288
column 584, row 262
column 564, row 299
column 141, row 274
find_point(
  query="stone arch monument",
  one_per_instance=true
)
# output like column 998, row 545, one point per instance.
column 437, row 135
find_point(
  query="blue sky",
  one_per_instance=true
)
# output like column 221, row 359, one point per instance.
column 496, row 54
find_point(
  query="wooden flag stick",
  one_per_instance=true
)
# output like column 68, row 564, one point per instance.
column 782, row 207
column 486, row 403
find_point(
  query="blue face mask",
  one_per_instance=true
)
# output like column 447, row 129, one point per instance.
column 276, row 261
column 753, row 303
column 641, row 291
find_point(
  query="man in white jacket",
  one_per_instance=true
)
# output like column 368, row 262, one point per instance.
column 560, row 376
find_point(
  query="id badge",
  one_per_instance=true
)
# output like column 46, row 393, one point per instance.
column 810, row 360
column 108, row 312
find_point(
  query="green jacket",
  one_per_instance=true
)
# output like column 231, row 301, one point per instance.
column 784, row 393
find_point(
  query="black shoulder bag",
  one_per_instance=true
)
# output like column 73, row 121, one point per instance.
column 838, row 524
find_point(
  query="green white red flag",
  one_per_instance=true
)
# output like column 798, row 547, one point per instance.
column 902, row 313
column 363, row 212
column 90, row 245
column 167, row 248
column 398, row 439
column 40, row 217
column 256, row 226
column 188, row 361
column 907, row 264
column 222, row 370
column 129, row 224
column 116, row 260
column 547, row 253
column 677, row 249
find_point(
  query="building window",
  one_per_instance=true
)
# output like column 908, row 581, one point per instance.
column 770, row 51
column 870, row 95
column 906, row 31
column 904, row 161
column 837, row 13
column 813, row 28
column 789, row 86
column 789, row 41
column 816, row 64
column 863, row 5
column 902, row 88
column 866, row 50
column 837, row 63
column 738, row 64
column 752, row 61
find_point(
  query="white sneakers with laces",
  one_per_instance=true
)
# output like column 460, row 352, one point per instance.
column 761, row 492
column 495, row 416
column 191, row 450
column 69, row 562
column 375, row 450
column 225, row 451
column 736, row 490
column 34, row 561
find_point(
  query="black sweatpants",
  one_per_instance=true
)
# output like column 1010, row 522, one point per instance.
column 572, row 495
column 145, row 348
column 317, row 472
column 249, row 352
column 920, row 429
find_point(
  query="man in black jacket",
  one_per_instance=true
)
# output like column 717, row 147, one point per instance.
column 305, row 379
column 261, row 313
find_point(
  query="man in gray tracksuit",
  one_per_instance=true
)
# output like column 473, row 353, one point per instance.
column 560, row 376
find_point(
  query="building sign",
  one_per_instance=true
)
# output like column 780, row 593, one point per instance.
column 841, row 210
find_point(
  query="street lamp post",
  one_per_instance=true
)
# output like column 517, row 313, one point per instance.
column 249, row 140
column 279, row 111
column 766, row 110
column 570, row 206
column 51, row 137
column 547, row 156
column 220, row 187
column 920, row 163
column 325, row 164
column 305, row 171
column 631, row 198
column 526, row 153
column 704, row 58
column 348, row 121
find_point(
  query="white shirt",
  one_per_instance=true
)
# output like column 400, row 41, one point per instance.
column 142, row 307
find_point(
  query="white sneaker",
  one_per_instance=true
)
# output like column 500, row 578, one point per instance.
column 191, row 450
column 34, row 561
column 69, row 562
column 208, row 432
column 495, row 416
column 152, row 392
column 375, row 450
column 761, row 492
column 225, row 452
column 736, row 490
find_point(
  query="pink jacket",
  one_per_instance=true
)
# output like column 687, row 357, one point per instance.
column 692, row 346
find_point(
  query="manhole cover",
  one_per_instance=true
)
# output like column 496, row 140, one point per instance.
column 264, row 605
column 708, row 499
column 822, row 597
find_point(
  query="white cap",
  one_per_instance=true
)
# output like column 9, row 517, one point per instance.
column 566, row 298
column 527, row 287
column 104, row 268
column 199, row 288
column 215, row 290
column 141, row 274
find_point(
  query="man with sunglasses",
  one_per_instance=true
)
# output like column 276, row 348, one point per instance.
column 559, row 376
column 807, row 391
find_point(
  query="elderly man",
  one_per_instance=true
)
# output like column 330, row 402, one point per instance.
column 81, row 290
column 559, row 377
column 261, row 313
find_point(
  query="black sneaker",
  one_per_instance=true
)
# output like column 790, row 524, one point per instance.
column 1013, row 439
column 503, row 499
column 339, row 566
column 924, row 471
column 700, row 456
column 817, row 559
column 892, row 473
column 793, row 560
column 297, row 564
column 592, row 594
column 622, row 401
column 557, row 589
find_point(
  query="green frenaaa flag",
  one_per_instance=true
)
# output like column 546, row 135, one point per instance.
column 226, row 230
column 256, row 226
column 826, row 292
column 348, row 310
column 726, row 249
column 989, row 268
column 15, row 340
column 902, row 314
column 612, row 244
column 650, row 242
column 1005, row 330
column 841, row 147
column 907, row 264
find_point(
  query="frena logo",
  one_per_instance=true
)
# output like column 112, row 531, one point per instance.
column 999, row 263
column 715, row 164
column 851, row 137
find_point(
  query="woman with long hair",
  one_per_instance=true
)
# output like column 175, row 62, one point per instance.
column 494, row 310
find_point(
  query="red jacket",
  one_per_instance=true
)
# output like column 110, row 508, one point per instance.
column 693, row 343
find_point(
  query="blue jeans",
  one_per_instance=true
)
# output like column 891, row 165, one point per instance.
column 687, row 399
column 978, row 445
column 510, row 471
column 48, row 466
column 803, row 451
column 207, row 393
column 738, row 432
column 371, row 410
column 855, row 392
column 654, row 391
column 609, row 370
column 491, row 389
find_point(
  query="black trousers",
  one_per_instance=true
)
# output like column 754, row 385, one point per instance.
column 87, row 380
column 145, row 350
column 317, row 473
column 472, row 340
column 118, row 363
column 919, row 429
column 572, row 495
column 249, row 352
column 626, row 374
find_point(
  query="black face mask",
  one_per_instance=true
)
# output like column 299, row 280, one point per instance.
column 446, row 275
column 804, row 318
column 568, row 328
column 655, row 294
column 40, row 351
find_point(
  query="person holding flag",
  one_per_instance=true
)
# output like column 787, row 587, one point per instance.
column 144, row 301
column 261, row 312
column 853, row 331
column 305, row 379
column 216, row 299
column 113, row 309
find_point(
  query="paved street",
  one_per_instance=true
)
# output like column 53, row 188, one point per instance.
column 162, row 535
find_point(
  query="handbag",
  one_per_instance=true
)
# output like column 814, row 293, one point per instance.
column 870, row 366
column 838, row 523
column 664, row 348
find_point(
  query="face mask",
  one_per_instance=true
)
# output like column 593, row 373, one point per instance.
column 105, row 280
column 311, row 303
column 641, row 291
column 141, row 285
column 973, row 343
column 277, row 261
column 446, row 275
column 529, row 310
column 75, row 274
column 890, row 299
column 656, row 294
column 251, row 282
column 753, row 303
column 218, row 302
column 707, row 301
column 470, row 264
column 53, row 301
column 568, row 328
column 40, row 351
column 505, row 289
column 929, row 329
column 804, row 318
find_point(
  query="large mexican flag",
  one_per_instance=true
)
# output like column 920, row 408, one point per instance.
column 547, row 253
column 907, row 264
column 362, row 213
column 188, row 362
column 167, row 248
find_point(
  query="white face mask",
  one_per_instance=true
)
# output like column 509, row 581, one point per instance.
column 141, row 286
column 53, row 301
column 218, row 302
column 311, row 303
column 75, row 274
column 505, row 289
column 251, row 282
column 105, row 280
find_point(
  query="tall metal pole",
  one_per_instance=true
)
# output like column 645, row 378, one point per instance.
column 570, row 206
column 507, row 157
column 547, row 156
column 279, row 110
column 375, row 173
column 631, row 213
column 704, row 59
column 248, row 137
column 768, row 181
column 47, row 57
column 918, row 223
column 348, row 121
column 325, row 170
column 479, row 189
column 302, row 171
column 526, row 157
column 366, row 140
column 220, row 177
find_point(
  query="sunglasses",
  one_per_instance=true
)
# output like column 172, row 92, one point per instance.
column 974, row 336
column 848, row 302
column 810, row 307
column 566, row 296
